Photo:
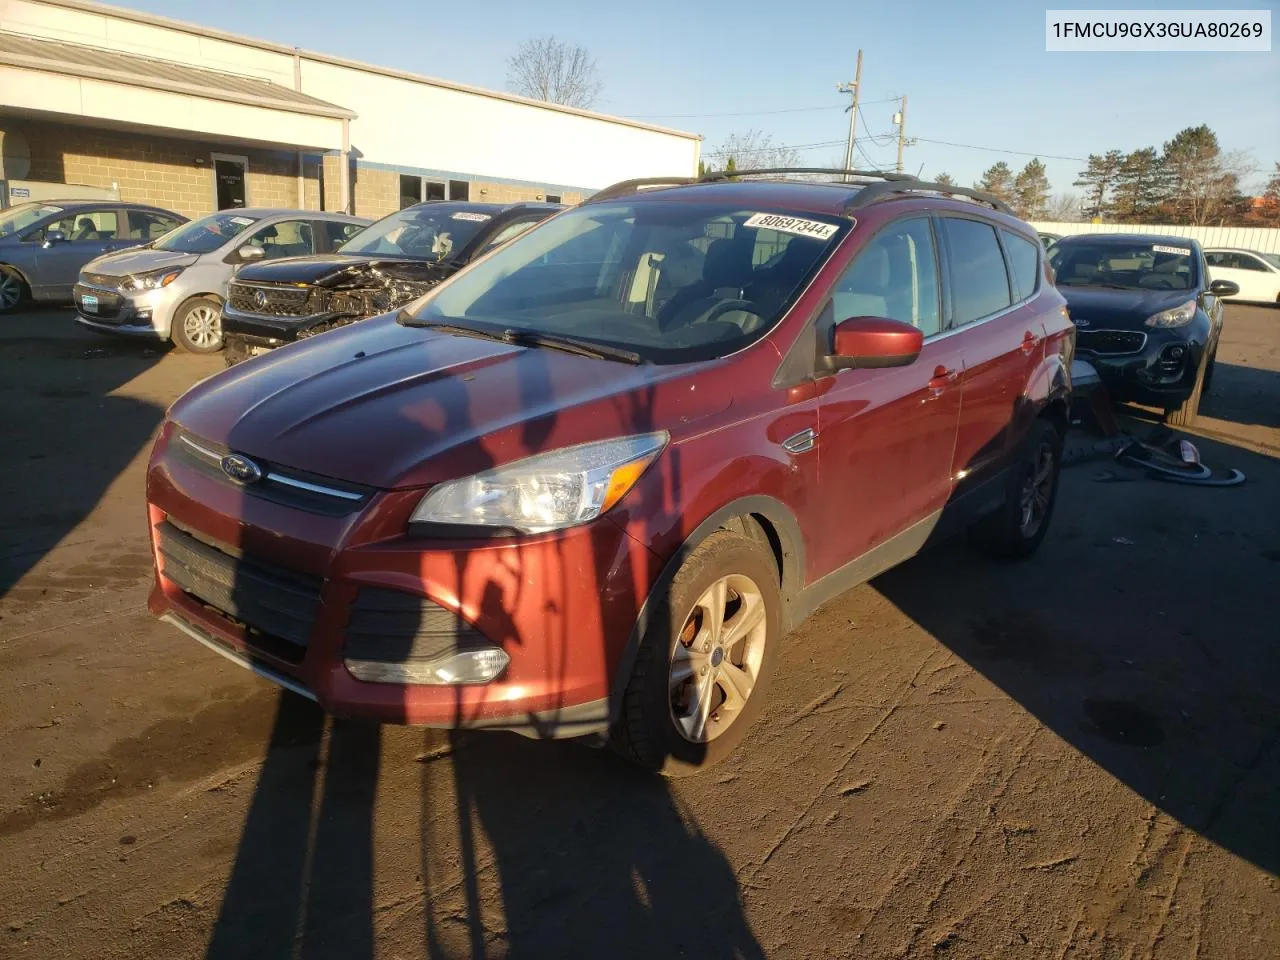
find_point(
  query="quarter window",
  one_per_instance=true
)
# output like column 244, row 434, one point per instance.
column 1024, row 259
column 1249, row 263
column 894, row 276
column 979, row 280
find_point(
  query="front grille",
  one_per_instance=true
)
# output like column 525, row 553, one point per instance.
column 109, row 304
column 271, row 601
column 282, row 485
column 388, row 625
column 275, row 301
column 1110, row 342
column 101, row 280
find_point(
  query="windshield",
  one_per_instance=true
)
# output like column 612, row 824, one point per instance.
column 17, row 219
column 204, row 235
column 423, row 233
column 673, row 282
column 1131, row 265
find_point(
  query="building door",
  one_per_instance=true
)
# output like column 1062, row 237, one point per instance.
column 229, row 174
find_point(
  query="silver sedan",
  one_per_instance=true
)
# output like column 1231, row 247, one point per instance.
column 174, row 287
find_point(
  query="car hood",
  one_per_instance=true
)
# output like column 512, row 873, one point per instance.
column 138, row 260
column 339, row 270
column 391, row 406
column 1119, row 309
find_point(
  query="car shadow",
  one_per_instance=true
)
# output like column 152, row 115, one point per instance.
column 1161, row 670
column 1244, row 395
column 68, row 434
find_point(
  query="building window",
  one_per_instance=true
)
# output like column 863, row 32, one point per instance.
column 410, row 191
column 459, row 190
column 435, row 190
column 553, row 198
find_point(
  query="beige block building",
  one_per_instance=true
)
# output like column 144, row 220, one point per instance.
column 157, row 111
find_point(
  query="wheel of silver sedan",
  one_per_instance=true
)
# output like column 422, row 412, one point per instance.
column 717, row 658
column 1037, row 491
column 203, row 325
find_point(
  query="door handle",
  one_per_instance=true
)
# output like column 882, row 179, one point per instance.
column 1029, row 342
column 943, row 377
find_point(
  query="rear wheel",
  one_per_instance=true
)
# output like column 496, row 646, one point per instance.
column 1017, row 527
column 197, row 325
column 13, row 290
column 706, row 660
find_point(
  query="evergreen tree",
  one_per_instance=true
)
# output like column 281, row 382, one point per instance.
column 1099, row 177
column 1031, row 191
column 1139, row 188
column 997, row 180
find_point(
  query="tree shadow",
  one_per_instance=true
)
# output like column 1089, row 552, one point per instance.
column 67, row 437
column 1150, row 648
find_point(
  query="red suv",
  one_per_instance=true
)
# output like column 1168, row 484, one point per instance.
column 588, row 484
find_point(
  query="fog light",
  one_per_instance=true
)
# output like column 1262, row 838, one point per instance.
column 1175, row 353
column 143, row 315
column 465, row 666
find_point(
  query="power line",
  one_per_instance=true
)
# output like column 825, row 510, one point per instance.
column 1019, row 153
column 742, row 113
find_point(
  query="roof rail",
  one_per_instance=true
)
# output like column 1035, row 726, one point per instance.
column 890, row 184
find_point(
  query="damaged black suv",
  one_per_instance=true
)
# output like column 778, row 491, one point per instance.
column 389, row 263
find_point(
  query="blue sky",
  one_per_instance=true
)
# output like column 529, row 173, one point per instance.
column 973, row 74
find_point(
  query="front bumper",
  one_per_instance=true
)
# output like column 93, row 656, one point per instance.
column 561, row 606
column 1161, row 371
column 268, row 332
column 147, row 314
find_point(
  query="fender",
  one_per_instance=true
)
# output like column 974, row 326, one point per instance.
column 792, row 582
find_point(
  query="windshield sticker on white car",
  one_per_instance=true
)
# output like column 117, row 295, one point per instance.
column 476, row 217
column 1180, row 251
column 242, row 221
column 803, row 228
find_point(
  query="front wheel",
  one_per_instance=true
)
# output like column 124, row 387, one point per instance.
column 1018, row 526
column 1184, row 415
column 13, row 291
column 197, row 325
column 705, row 661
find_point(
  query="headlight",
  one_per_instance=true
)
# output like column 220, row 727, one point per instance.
column 1176, row 317
column 151, row 280
column 546, row 492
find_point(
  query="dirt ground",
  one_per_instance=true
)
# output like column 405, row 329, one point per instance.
column 1071, row 757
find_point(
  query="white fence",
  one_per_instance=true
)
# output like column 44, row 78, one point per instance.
column 1262, row 239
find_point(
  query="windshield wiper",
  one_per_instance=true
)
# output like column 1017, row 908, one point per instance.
column 583, row 348
column 529, row 338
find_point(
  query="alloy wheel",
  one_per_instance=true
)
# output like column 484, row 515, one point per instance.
column 717, row 658
column 203, row 325
column 1037, row 491
column 10, row 290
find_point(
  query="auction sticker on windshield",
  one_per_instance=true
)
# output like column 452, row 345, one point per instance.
column 467, row 215
column 796, row 225
column 1180, row 251
column 242, row 221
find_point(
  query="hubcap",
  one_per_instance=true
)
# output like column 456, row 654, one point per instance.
column 203, row 325
column 717, row 657
column 10, row 290
column 1037, row 490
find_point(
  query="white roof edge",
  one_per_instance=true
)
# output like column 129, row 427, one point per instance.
column 137, row 16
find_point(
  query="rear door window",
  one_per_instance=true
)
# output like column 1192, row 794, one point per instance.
column 145, row 226
column 288, row 238
column 1024, row 260
column 338, row 232
column 979, row 280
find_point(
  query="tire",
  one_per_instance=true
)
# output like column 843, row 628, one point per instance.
column 234, row 351
column 660, row 719
column 1208, row 375
column 1185, row 414
column 13, row 290
column 192, row 325
column 1011, row 532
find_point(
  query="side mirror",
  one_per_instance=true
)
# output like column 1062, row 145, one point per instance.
column 1224, row 288
column 860, row 343
column 250, row 252
column 54, row 236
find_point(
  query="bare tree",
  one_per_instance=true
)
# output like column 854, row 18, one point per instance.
column 1065, row 208
column 549, row 69
column 752, row 150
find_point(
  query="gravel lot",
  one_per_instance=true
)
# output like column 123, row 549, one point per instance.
column 1076, row 756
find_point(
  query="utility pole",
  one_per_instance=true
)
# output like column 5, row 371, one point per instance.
column 856, row 89
column 901, row 121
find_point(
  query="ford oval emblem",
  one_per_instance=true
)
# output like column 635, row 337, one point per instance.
column 260, row 299
column 241, row 469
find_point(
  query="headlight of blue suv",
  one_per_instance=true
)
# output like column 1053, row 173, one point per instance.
column 1178, row 316
column 549, row 491
column 151, row 280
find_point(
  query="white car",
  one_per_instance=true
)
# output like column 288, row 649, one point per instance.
column 1258, row 274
